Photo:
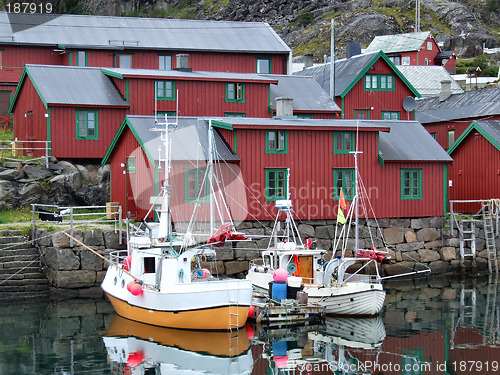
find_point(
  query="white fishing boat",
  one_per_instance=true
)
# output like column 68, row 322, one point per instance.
column 160, row 281
column 327, row 283
column 138, row 348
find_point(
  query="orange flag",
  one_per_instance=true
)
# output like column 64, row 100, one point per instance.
column 342, row 202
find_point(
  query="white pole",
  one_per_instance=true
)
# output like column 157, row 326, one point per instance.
column 210, row 176
column 332, row 59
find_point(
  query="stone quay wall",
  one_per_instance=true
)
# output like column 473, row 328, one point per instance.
column 412, row 243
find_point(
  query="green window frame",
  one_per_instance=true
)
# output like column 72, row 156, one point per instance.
column 343, row 178
column 82, row 58
column 131, row 165
column 362, row 114
column 411, row 184
column 391, row 115
column 124, row 60
column 87, row 125
column 264, row 65
column 235, row 114
column 193, row 181
column 343, row 142
column 379, row 82
column 235, row 92
column 1, row 58
column 451, row 137
column 165, row 62
column 276, row 188
column 165, row 90
column 433, row 135
column 276, row 142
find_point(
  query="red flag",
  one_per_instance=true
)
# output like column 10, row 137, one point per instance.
column 342, row 202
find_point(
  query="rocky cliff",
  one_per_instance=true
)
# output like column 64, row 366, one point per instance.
column 461, row 25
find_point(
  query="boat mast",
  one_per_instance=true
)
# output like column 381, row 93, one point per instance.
column 356, row 200
column 211, row 176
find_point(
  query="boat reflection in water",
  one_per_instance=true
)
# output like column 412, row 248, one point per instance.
column 337, row 345
column 136, row 348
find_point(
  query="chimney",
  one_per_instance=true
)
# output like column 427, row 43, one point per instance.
column 445, row 90
column 353, row 48
column 284, row 107
column 308, row 60
column 183, row 62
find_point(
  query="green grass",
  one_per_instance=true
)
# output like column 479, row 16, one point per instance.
column 6, row 134
column 15, row 216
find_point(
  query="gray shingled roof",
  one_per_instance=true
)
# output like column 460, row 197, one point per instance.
column 74, row 85
column 198, row 75
column 307, row 94
column 470, row 104
column 83, row 31
column 189, row 141
column 408, row 140
column 346, row 71
column 398, row 43
column 299, row 122
column 427, row 79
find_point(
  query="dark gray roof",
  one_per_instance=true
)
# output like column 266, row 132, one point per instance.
column 408, row 140
column 190, row 75
column 74, row 85
column 492, row 128
column 307, row 94
column 83, row 31
column 346, row 71
column 398, row 43
column 189, row 141
column 444, row 55
column 470, row 104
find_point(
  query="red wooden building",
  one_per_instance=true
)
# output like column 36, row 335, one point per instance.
column 367, row 86
column 403, row 168
column 77, row 110
column 418, row 48
column 141, row 43
column 447, row 117
column 475, row 171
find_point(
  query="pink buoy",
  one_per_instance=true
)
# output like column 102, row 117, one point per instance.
column 136, row 289
column 281, row 361
column 129, row 286
column 280, row 275
column 250, row 332
column 206, row 273
column 135, row 359
column 127, row 263
column 251, row 311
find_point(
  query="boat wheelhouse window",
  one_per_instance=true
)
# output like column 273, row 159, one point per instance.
column 165, row 62
column 268, row 262
column 235, row 92
column 165, row 90
column 343, row 142
column 343, row 179
column 195, row 190
column 411, row 184
column 87, row 125
column 275, row 184
column 276, row 142
column 149, row 265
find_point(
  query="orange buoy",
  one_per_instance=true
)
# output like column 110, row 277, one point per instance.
column 135, row 289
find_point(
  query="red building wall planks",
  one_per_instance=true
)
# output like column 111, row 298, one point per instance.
column 441, row 129
column 30, row 122
column 359, row 98
column 197, row 98
column 311, row 177
column 63, row 132
column 475, row 171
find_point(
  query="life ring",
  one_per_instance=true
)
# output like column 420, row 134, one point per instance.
column 291, row 268
column 297, row 265
column 203, row 273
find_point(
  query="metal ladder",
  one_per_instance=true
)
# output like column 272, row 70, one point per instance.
column 468, row 306
column 467, row 236
column 491, row 329
column 233, row 325
column 490, row 235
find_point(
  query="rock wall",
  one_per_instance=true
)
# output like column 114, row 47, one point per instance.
column 62, row 183
column 413, row 244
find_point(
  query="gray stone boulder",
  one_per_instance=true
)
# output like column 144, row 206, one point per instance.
column 37, row 173
column 11, row 174
column 306, row 231
column 394, row 235
column 61, row 259
column 427, row 234
column 427, row 256
column 93, row 238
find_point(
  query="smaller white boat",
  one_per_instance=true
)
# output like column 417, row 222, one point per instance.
column 160, row 281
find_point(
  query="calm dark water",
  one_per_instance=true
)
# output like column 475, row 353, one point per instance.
column 428, row 326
